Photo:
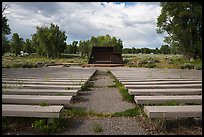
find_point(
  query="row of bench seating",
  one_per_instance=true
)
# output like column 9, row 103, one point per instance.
column 35, row 97
column 154, row 93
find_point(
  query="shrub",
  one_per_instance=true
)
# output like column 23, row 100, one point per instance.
column 198, row 67
column 150, row 65
column 187, row 66
column 50, row 125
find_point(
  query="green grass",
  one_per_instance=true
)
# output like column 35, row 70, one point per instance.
column 87, row 86
column 124, row 92
column 9, row 60
column 60, row 94
column 159, row 61
column 80, row 112
column 50, row 126
column 44, row 103
column 129, row 113
column 67, row 88
column 171, row 103
column 126, row 96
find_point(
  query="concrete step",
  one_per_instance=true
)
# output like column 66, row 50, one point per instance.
column 163, row 86
column 33, row 86
column 36, row 99
column 173, row 111
column 51, row 92
column 161, row 82
column 164, row 99
column 179, row 91
column 31, row 111
column 49, row 78
column 43, row 82
column 147, row 80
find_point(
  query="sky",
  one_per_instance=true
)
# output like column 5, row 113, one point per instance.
column 132, row 22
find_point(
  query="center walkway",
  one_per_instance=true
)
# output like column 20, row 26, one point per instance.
column 102, row 97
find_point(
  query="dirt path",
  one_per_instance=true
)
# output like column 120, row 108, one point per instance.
column 105, row 99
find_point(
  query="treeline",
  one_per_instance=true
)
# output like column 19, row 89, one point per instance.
column 49, row 41
column 84, row 47
column 164, row 49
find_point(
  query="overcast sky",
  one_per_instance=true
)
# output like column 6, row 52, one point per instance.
column 134, row 23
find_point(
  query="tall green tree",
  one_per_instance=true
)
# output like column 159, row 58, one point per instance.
column 183, row 23
column 16, row 44
column 27, row 47
column 50, row 41
column 165, row 49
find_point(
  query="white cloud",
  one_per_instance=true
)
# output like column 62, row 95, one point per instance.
column 134, row 24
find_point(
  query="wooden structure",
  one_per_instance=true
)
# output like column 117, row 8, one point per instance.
column 105, row 55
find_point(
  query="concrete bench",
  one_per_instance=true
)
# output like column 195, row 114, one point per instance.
column 161, row 82
column 46, row 80
column 31, row 111
column 147, row 80
column 163, row 86
column 163, row 99
column 173, row 111
column 43, row 82
column 38, row 86
column 35, row 99
column 51, row 92
column 179, row 91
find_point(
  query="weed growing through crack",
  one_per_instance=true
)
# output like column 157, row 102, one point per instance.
column 44, row 103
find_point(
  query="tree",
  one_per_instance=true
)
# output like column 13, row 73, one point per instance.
column 16, row 44
column 50, row 41
column 5, row 45
column 27, row 47
column 74, row 47
column 157, row 51
column 5, row 30
column 165, row 49
column 183, row 23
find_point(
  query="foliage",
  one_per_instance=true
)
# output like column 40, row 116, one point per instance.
column 52, row 126
column 187, row 66
column 81, row 112
column 44, row 103
column 136, row 111
column 27, row 47
column 16, row 44
column 5, row 45
column 49, row 41
column 159, row 61
column 85, row 47
column 5, row 30
column 9, row 60
column 183, row 23
column 87, row 86
column 126, row 96
column 164, row 49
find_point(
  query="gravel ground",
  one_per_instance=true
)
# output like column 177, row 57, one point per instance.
column 109, row 126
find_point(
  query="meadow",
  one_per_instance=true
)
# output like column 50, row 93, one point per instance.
column 169, row 61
